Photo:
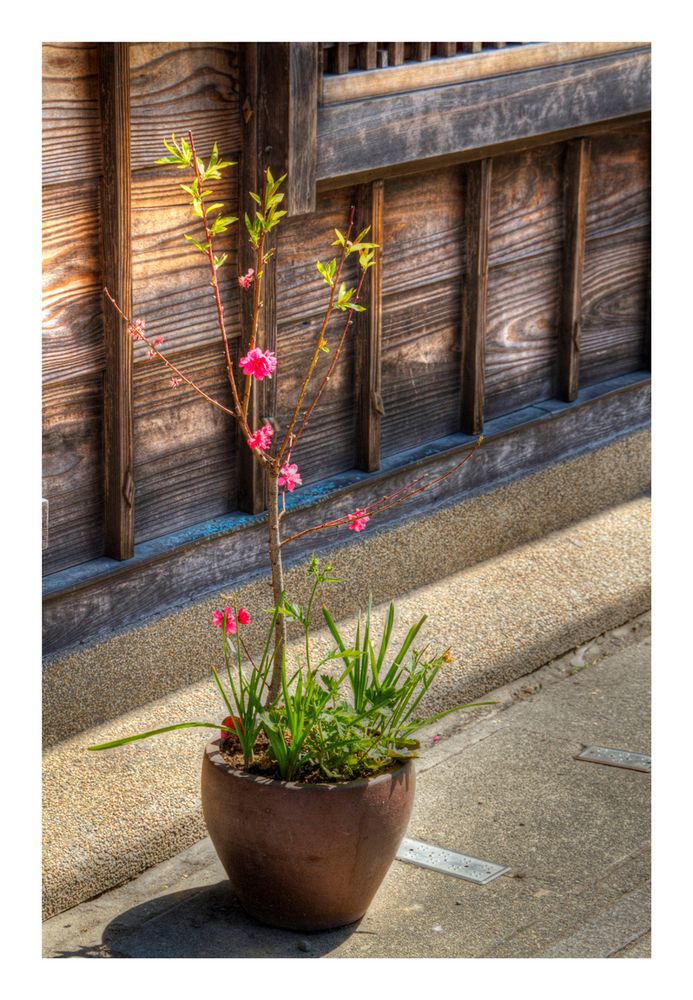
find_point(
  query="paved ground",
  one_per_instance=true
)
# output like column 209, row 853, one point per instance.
column 503, row 786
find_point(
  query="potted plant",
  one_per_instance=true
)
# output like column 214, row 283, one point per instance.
column 308, row 788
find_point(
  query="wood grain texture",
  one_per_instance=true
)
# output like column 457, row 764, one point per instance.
column 178, row 86
column 521, row 339
column 73, row 471
column 614, row 318
column 370, row 204
column 384, row 132
column 576, row 179
column 184, row 448
column 116, row 269
column 475, row 302
column 72, row 326
column 71, row 149
column 619, row 190
column 526, row 204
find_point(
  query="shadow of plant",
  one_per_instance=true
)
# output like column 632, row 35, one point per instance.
column 207, row 922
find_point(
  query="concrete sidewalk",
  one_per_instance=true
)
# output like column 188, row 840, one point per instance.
column 503, row 786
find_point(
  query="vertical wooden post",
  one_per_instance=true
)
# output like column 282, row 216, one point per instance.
column 341, row 61
column 447, row 49
column 366, row 55
column 471, row 46
column 279, row 106
column 395, row 53
column 575, row 205
column 116, row 270
column 477, row 220
column 367, row 365
column 422, row 51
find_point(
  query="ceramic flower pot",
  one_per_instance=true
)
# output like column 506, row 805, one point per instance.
column 305, row 856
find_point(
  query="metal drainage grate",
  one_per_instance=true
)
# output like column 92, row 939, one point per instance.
column 416, row 852
column 617, row 758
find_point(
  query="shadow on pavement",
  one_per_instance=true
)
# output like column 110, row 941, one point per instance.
column 207, row 922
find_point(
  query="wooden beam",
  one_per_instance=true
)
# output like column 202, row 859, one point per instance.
column 369, row 403
column 116, row 271
column 279, row 100
column 575, row 205
column 477, row 221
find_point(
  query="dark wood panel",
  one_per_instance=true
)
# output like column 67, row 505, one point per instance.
column 178, row 86
column 302, row 295
column 73, row 471
column 71, row 149
column 614, row 319
column 619, row 189
column 328, row 445
column 420, row 365
column 72, row 328
column 171, row 289
column 526, row 204
column 387, row 132
column 521, row 339
column 423, row 230
column 184, row 447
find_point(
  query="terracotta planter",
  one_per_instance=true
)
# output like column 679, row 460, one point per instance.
column 306, row 857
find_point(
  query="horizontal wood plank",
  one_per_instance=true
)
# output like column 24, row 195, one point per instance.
column 471, row 64
column 72, row 285
column 615, row 305
column 521, row 339
column 178, row 86
column 71, row 148
column 73, row 471
column 420, row 365
column 382, row 133
column 619, row 189
column 173, row 429
column 526, row 204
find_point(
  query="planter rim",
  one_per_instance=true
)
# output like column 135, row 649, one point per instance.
column 213, row 753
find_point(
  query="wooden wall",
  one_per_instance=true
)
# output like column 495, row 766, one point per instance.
column 184, row 452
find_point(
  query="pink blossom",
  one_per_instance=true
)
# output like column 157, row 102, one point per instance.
column 259, row 364
column 261, row 439
column 136, row 329
column 243, row 617
column 151, row 353
column 289, row 477
column 218, row 620
column 175, row 382
column 436, row 739
column 158, row 340
column 246, row 280
column 358, row 520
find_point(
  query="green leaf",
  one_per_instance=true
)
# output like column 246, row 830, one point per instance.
column 202, row 247
column 157, row 732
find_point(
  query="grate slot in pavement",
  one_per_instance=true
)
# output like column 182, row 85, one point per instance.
column 438, row 859
column 616, row 758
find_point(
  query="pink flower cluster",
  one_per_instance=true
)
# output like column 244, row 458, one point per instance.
column 261, row 439
column 218, row 618
column 259, row 364
column 289, row 477
column 246, row 280
column 136, row 329
column 358, row 520
column 175, row 382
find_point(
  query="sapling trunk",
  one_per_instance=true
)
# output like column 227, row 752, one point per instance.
column 275, row 552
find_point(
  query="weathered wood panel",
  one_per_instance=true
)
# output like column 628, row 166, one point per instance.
column 184, row 447
column 614, row 319
column 177, row 86
column 423, row 259
column 72, row 327
column 521, row 338
column 526, row 204
column 388, row 132
column 577, row 163
column 72, row 471
column 420, row 365
column 368, row 401
column 328, row 445
column 619, row 189
column 71, row 149
column 478, row 178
